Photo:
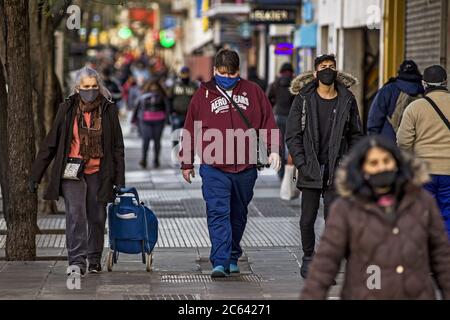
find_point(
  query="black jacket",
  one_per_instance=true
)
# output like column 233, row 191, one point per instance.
column 56, row 146
column 181, row 96
column 302, row 129
column 280, row 96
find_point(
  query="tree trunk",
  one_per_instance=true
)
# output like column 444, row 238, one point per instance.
column 3, row 142
column 2, row 33
column 45, row 96
column 47, row 52
column 3, row 106
column 21, row 206
column 38, row 69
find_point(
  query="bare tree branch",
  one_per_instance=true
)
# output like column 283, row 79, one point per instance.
column 3, row 35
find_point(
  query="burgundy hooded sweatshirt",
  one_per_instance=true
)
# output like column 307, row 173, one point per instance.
column 214, row 111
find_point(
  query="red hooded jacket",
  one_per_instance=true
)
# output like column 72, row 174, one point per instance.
column 215, row 111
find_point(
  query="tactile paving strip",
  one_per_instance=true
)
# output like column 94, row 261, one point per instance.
column 193, row 232
column 202, row 278
column 162, row 297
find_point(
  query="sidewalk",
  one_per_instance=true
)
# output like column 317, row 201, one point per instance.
column 270, row 265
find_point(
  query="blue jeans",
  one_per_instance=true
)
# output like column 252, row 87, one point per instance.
column 439, row 187
column 227, row 196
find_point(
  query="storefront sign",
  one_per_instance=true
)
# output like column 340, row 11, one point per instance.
column 273, row 16
column 278, row 2
column 285, row 48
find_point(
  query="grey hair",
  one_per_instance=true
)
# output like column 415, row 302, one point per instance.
column 87, row 72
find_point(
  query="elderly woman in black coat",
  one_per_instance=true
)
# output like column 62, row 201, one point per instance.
column 86, row 146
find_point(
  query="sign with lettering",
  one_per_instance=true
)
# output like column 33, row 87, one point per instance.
column 273, row 15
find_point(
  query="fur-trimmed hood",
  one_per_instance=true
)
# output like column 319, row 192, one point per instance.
column 419, row 167
column 306, row 78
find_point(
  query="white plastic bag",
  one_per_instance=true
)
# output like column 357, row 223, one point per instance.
column 289, row 189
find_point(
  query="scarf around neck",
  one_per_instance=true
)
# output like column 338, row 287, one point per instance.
column 91, row 146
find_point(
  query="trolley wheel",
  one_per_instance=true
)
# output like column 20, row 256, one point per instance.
column 110, row 261
column 149, row 261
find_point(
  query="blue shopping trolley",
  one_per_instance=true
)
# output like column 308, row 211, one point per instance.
column 133, row 228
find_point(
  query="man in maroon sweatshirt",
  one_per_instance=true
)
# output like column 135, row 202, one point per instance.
column 225, row 139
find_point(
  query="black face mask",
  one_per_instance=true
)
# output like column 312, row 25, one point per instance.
column 382, row 180
column 185, row 80
column 327, row 76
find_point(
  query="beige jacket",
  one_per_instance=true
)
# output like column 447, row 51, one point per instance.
column 423, row 132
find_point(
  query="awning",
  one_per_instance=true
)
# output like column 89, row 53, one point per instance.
column 306, row 36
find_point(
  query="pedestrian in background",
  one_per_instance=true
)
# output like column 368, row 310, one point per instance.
column 425, row 130
column 180, row 98
column 323, row 125
column 253, row 76
column 151, row 113
column 227, row 184
column 386, row 226
column 387, row 108
column 281, row 99
column 113, row 86
column 86, row 130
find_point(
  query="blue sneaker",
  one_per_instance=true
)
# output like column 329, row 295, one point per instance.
column 219, row 272
column 234, row 268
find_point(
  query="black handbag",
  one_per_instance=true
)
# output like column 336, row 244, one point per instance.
column 74, row 169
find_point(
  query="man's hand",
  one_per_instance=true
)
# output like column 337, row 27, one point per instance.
column 275, row 161
column 187, row 175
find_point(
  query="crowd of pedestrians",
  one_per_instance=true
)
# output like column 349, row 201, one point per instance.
column 386, row 192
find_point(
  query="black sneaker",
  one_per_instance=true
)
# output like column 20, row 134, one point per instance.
column 306, row 261
column 95, row 268
column 143, row 164
column 156, row 164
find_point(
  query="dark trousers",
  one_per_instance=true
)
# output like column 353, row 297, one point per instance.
column 177, row 123
column 281, row 123
column 310, row 207
column 227, row 196
column 85, row 220
column 151, row 130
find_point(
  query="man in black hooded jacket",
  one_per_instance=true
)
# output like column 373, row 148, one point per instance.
column 322, row 126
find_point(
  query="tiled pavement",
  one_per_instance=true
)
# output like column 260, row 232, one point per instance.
column 270, row 265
